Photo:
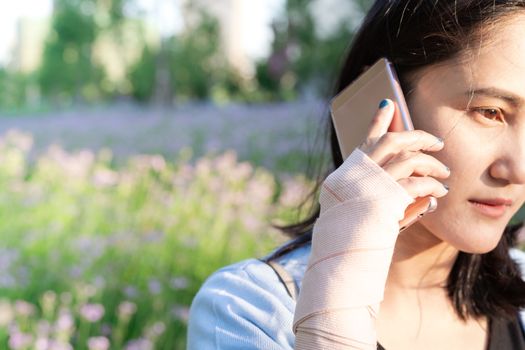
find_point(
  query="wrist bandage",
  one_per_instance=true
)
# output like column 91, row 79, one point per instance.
column 352, row 246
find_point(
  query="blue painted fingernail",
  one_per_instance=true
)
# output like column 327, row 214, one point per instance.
column 383, row 104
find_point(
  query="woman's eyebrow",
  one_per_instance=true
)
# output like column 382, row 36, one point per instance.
column 498, row 93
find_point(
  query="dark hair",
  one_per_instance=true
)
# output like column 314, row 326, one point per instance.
column 414, row 34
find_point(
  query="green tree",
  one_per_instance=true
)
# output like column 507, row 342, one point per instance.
column 14, row 88
column 67, row 70
column 142, row 76
column 186, row 66
column 195, row 62
column 300, row 59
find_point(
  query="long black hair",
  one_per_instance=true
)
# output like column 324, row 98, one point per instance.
column 414, row 34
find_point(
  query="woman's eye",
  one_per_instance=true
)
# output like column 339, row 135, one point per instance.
column 493, row 114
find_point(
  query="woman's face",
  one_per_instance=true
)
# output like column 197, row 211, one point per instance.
column 476, row 103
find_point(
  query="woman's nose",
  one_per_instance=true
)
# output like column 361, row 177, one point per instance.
column 510, row 167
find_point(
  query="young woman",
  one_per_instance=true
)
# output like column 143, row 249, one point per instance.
column 449, row 281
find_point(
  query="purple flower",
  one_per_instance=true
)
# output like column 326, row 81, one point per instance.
column 98, row 343
column 181, row 313
column 155, row 330
column 105, row 178
column 42, row 343
column 131, row 292
column 43, row 328
column 154, row 286
column 92, row 312
column 19, row 340
column 65, row 322
column 155, row 236
column 139, row 344
column 181, row 282
column 106, row 329
column 49, row 344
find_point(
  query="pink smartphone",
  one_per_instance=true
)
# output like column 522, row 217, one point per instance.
column 354, row 108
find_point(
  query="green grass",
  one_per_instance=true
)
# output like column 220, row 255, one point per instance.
column 80, row 234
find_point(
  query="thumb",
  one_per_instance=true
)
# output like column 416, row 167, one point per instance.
column 381, row 122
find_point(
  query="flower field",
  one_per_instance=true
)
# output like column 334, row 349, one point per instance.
column 104, row 246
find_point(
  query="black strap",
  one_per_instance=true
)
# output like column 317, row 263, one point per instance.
column 506, row 334
column 285, row 278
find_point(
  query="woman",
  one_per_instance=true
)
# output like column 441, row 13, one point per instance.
column 449, row 280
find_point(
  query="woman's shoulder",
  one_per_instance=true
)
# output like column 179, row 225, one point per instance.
column 245, row 304
column 257, row 273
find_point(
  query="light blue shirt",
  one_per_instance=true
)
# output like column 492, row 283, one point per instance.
column 245, row 306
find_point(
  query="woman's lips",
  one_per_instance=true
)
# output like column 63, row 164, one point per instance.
column 494, row 208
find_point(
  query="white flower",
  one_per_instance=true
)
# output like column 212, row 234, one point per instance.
column 126, row 309
column 6, row 313
column 23, row 308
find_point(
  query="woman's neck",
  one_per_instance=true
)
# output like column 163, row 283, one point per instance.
column 421, row 261
column 416, row 301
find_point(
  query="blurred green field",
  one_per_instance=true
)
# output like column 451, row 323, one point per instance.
column 106, row 253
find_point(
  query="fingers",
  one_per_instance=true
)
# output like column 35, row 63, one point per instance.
column 401, row 154
column 423, row 186
column 380, row 145
column 379, row 125
column 405, row 141
column 406, row 164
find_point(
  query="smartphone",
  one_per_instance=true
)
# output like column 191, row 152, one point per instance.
column 354, row 108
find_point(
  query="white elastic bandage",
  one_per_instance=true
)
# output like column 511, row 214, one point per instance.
column 352, row 246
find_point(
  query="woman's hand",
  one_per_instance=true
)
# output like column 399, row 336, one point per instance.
column 362, row 203
column 401, row 155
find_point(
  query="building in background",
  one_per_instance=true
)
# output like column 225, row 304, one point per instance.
column 234, row 20
column 31, row 34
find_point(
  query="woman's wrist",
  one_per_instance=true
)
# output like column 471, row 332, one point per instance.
column 353, row 240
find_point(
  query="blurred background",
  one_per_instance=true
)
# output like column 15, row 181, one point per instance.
column 143, row 145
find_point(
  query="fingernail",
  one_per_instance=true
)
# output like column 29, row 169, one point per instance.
column 448, row 169
column 440, row 140
column 446, row 187
column 383, row 103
